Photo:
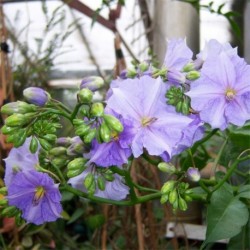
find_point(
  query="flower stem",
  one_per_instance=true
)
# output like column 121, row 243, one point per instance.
column 75, row 111
column 229, row 172
column 150, row 160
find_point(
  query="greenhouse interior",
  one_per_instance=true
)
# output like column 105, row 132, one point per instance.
column 124, row 125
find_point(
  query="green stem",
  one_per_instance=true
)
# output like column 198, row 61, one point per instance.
column 39, row 168
column 204, row 139
column 219, row 154
column 204, row 187
column 192, row 157
column 61, row 106
column 3, row 243
column 59, row 173
column 75, row 111
column 141, row 199
column 150, row 160
column 141, row 188
column 54, row 111
column 229, row 172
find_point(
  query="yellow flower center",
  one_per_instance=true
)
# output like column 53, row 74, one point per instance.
column 230, row 94
column 115, row 135
column 147, row 121
column 39, row 193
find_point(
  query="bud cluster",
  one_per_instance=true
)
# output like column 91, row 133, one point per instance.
column 177, row 193
column 97, row 178
column 175, row 96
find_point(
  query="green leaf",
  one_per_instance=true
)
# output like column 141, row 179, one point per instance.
column 244, row 192
column 76, row 215
column 95, row 221
column 242, row 240
column 226, row 215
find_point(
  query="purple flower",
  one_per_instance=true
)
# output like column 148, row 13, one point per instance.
column 115, row 190
column 214, row 48
column 192, row 133
column 36, row 195
column 116, row 152
column 19, row 159
column 222, row 94
column 36, row 96
column 158, row 127
column 177, row 56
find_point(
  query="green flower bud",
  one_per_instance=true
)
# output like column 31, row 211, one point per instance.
column 105, row 132
column 45, row 144
column 101, row 183
column 18, row 219
column 113, row 123
column 185, row 108
column 50, row 137
column 7, row 130
column 74, row 172
column 164, row 198
column 188, row 67
column 58, row 151
column 173, row 196
column 20, row 137
column 97, row 109
column 82, row 130
column 16, row 120
column 60, row 161
column 85, row 96
column 109, row 177
column 9, row 211
column 187, row 198
column 77, row 163
column 17, row 107
column 33, row 145
column 90, row 136
column 166, row 167
column 88, row 181
column 182, row 204
column 179, row 106
column 131, row 73
column 78, row 122
column 168, row 187
column 3, row 190
column 143, row 66
column 193, row 75
column 3, row 202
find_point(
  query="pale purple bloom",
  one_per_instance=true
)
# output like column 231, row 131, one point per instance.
column 116, row 152
column 177, row 56
column 222, row 94
column 193, row 174
column 214, row 48
column 19, row 159
column 115, row 190
column 36, row 195
column 158, row 127
column 36, row 96
column 192, row 133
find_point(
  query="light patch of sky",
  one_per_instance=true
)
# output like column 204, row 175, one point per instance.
column 214, row 26
column 74, row 53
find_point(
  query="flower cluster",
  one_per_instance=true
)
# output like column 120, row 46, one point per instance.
column 147, row 112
